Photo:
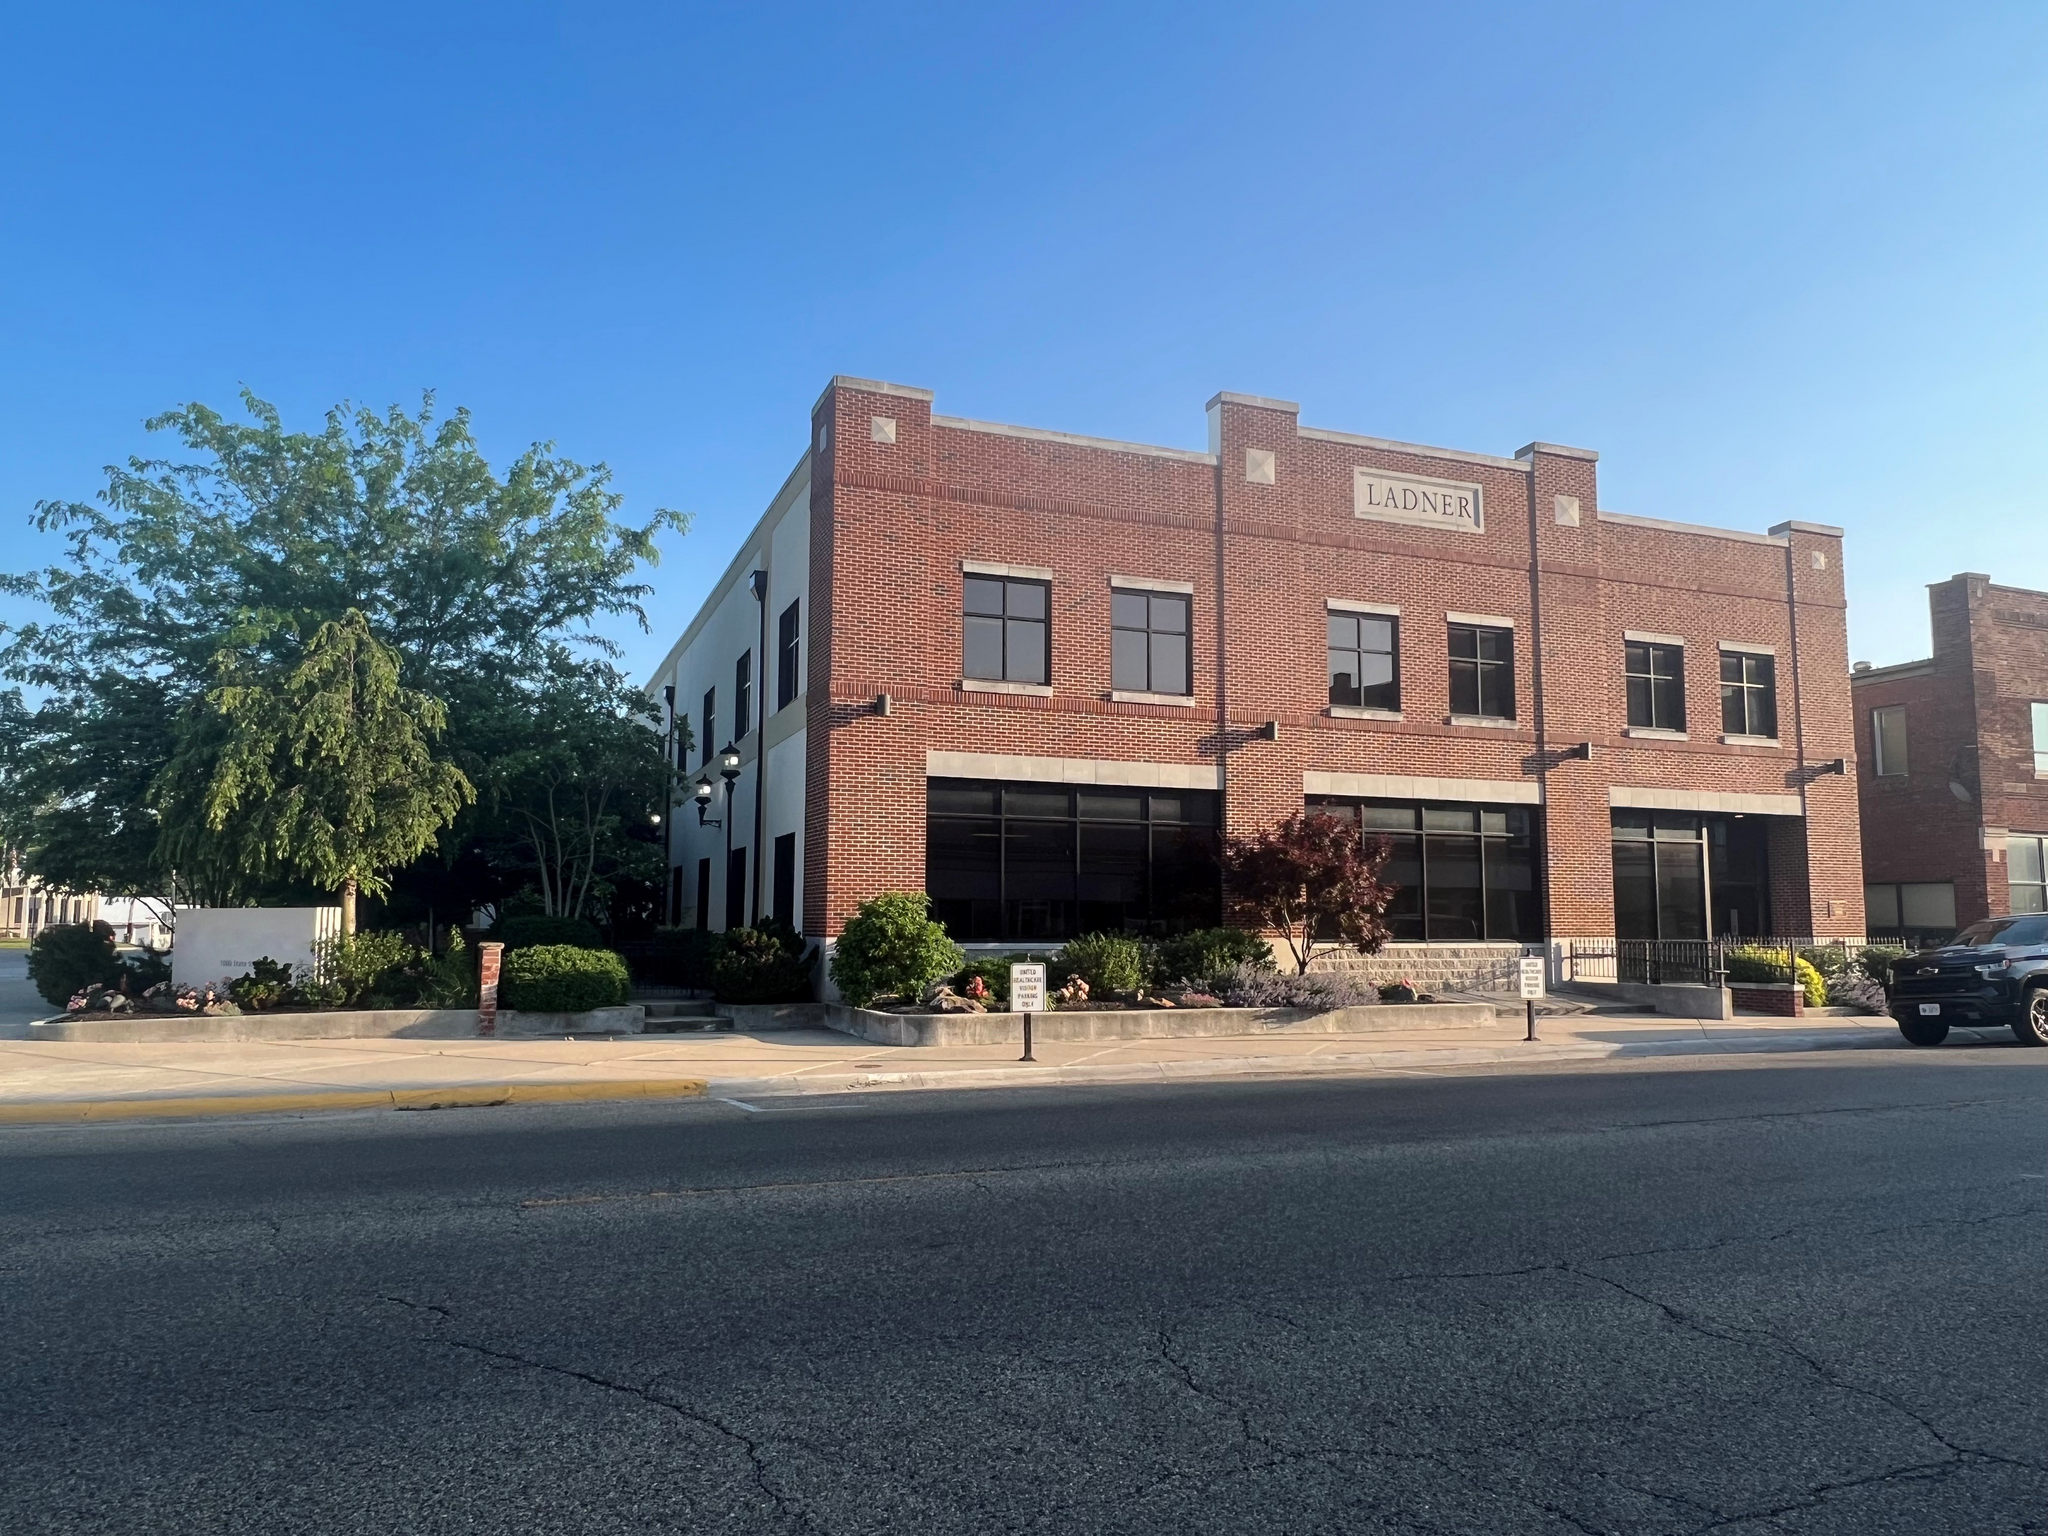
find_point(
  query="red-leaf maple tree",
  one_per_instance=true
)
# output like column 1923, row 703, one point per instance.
column 1309, row 878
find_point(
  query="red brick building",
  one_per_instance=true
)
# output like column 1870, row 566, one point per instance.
column 1953, row 755
column 1038, row 674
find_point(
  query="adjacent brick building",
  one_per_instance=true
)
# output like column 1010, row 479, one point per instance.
column 1954, row 765
column 1039, row 674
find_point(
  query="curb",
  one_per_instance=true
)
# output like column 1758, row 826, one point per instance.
column 1289, row 1066
column 461, row 1096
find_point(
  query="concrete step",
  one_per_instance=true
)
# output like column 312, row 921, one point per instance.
column 680, row 1015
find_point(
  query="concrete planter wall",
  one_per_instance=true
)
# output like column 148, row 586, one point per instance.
column 335, row 1024
column 1147, row 1023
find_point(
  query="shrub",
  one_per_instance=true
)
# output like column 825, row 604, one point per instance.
column 147, row 970
column 674, row 957
column 1875, row 961
column 370, row 968
column 1250, row 987
column 1849, row 989
column 1202, row 956
column 564, row 978
column 66, row 959
column 1113, row 964
column 1827, row 959
column 1767, row 965
column 525, row 930
column 892, row 948
column 449, row 979
column 267, row 985
column 768, row 964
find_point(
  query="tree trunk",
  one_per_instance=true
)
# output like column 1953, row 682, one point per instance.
column 348, row 909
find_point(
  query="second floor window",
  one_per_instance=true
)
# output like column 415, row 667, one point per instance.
column 1365, row 661
column 1483, row 671
column 1749, row 694
column 710, row 744
column 787, row 687
column 1148, row 642
column 2040, row 712
column 1656, row 686
column 1006, row 630
column 742, row 694
column 1888, row 740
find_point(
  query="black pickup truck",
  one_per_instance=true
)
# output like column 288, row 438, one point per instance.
column 1993, row 972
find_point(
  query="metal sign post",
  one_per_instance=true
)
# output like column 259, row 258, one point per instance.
column 1027, row 996
column 1532, row 988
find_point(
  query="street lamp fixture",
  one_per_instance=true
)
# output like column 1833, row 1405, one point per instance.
column 703, row 798
column 729, row 766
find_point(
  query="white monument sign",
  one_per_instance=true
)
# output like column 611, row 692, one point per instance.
column 1027, row 989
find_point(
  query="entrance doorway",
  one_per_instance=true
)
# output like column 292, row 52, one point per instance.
column 1684, row 876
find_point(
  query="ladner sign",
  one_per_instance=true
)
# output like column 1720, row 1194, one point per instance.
column 1412, row 499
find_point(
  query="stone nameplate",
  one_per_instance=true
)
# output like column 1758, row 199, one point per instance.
column 1450, row 504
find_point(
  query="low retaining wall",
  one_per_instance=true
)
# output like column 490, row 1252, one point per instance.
column 1677, row 1000
column 1147, row 1023
column 334, row 1024
column 756, row 1018
column 1784, row 998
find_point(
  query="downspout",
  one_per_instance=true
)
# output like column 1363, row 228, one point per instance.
column 759, row 582
column 1798, row 733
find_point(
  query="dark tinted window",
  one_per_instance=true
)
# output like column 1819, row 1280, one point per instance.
column 1149, row 642
column 1469, row 874
column 1656, row 685
column 1365, row 663
column 1042, row 862
column 1005, row 634
column 1482, row 671
column 2012, row 931
column 1749, row 694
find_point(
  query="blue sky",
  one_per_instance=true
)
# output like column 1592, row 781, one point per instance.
column 1772, row 261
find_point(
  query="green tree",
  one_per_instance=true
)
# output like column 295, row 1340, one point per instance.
column 484, row 583
column 321, row 768
column 574, row 793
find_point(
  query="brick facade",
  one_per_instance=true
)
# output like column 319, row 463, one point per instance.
column 1263, row 528
column 1970, row 778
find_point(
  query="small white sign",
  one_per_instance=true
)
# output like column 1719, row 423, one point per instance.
column 1027, row 989
column 1532, row 976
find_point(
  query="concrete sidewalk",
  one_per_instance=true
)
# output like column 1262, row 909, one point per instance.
column 47, row 1081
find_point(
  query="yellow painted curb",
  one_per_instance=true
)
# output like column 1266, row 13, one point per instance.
column 459, row 1096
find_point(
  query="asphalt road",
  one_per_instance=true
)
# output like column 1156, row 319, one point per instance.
column 1784, row 1295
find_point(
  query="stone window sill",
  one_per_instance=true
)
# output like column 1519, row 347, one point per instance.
column 1656, row 733
column 1750, row 741
column 1360, row 712
column 995, row 685
column 1133, row 696
column 1491, row 722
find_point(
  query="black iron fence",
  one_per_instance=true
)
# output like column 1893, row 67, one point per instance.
column 1711, row 962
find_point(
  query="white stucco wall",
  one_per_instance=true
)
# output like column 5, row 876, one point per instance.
column 221, row 943
column 728, row 625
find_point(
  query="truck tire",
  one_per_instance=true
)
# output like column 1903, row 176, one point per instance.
column 2031, row 1027
column 1924, row 1031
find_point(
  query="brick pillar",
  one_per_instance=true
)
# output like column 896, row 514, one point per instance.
column 487, row 988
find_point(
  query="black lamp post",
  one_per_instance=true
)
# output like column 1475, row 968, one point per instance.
column 729, row 770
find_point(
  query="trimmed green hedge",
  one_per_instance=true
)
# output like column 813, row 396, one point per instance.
column 563, row 978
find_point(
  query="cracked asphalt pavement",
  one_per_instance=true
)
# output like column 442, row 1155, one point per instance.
column 1770, row 1295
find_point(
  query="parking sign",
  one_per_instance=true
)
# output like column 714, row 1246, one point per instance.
column 1532, row 977
column 1027, row 989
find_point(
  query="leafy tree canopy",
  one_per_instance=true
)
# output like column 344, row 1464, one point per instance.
column 483, row 585
column 324, row 770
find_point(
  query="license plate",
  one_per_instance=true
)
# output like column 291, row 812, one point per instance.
column 1930, row 1008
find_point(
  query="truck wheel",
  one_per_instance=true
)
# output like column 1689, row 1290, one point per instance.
column 1924, row 1031
column 2031, row 1027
